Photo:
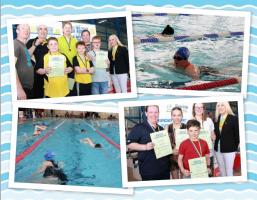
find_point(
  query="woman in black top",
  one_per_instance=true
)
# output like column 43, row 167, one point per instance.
column 119, row 64
column 176, row 116
column 227, row 137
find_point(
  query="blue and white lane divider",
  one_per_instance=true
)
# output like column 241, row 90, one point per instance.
column 183, row 38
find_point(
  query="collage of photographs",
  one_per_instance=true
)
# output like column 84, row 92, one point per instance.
column 200, row 57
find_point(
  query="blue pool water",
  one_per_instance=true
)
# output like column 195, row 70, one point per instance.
column 224, row 54
column 84, row 165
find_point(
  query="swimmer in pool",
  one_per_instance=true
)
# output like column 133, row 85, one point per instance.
column 168, row 31
column 51, row 170
column 83, row 131
column 91, row 143
column 37, row 131
column 182, row 63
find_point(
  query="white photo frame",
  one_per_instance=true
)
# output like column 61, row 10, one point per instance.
column 247, row 17
column 14, row 184
column 190, row 101
column 45, row 20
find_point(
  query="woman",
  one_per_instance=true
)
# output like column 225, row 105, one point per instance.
column 198, row 112
column 227, row 137
column 176, row 116
column 119, row 64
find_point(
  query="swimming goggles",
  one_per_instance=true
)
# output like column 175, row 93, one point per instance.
column 178, row 58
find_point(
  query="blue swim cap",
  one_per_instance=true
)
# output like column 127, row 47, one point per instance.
column 49, row 155
column 183, row 52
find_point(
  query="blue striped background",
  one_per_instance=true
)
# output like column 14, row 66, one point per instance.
column 215, row 191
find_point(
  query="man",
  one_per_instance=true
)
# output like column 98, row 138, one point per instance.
column 139, row 140
column 85, row 37
column 23, row 65
column 181, row 63
column 38, row 49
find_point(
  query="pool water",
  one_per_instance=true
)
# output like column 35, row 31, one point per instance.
column 153, row 60
column 83, row 165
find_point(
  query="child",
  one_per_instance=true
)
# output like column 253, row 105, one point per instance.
column 192, row 148
column 55, row 85
column 101, row 75
column 83, row 70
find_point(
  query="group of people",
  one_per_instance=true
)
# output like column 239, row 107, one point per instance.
column 60, row 67
column 224, row 134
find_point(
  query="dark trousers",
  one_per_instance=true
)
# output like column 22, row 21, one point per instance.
column 149, row 177
column 29, row 93
column 84, row 89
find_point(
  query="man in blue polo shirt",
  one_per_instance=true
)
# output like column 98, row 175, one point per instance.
column 139, row 140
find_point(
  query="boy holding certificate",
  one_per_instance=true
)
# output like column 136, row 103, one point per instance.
column 194, row 159
column 57, row 67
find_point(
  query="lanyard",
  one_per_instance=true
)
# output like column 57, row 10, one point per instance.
column 82, row 61
column 158, row 129
column 68, row 43
column 196, row 150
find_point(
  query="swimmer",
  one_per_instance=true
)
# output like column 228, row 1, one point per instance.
column 51, row 170
column 37, row 131
column 182, row 63
column 168, row 31
column 91, row 143
column 83, row 131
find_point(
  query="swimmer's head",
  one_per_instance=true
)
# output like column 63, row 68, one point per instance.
column 98, row 146
column 49, row 155
column 182, row 53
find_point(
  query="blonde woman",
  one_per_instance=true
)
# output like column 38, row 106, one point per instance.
column 199, row 113
column 227, row 137
column 119, row 64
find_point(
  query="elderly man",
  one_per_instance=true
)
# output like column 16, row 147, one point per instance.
column 23, row 65
column 139, row 140
column 38, row 49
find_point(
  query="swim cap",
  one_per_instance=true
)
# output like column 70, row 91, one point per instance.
column 49, row 155
column 183, row 52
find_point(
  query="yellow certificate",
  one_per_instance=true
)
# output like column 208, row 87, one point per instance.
column 56, row 63
column 162, row 146
column 100, row 59
column 198, row 168
column 205, row 135
column 180, row 136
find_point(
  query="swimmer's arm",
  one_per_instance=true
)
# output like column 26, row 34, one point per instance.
column 42, row 168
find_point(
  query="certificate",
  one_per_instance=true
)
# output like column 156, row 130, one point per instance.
column 206, row 135
column 198, row 168
column 56, row 63
column 100, row 59
column 180, row 136
column 162, row 146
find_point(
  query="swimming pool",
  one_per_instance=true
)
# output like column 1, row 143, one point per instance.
column 153, row 60
column 84, row 165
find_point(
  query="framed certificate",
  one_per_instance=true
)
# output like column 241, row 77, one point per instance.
column 180, row 136
column 206, row 135
column 162, row 145
column 198, row 168
column 56, row 63
column 100, row 59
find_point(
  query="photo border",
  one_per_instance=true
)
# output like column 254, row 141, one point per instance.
column 39, row 186
column 246, row 45
column 242, row 178
column 44, row 20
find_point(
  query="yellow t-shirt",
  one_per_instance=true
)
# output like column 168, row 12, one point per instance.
column 114, row 49
column 68, row 48
column 56, row 86
column 83, row 78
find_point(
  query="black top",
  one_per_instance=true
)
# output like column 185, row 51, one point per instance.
column 148, row 164
column 76, row 62
column 121, row 62
column 172, row 134
column 229, row 135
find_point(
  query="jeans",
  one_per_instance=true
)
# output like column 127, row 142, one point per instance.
column 100, row 87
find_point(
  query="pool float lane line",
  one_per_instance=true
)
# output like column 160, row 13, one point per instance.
column 27, row 151
column 213, row 84
column 60, row 124
column 109, row 140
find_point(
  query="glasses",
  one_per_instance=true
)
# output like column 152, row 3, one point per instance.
column 178, row 58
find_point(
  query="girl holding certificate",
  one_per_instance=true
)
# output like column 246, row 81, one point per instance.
column 83, row 70
column 198, row 112
column 56, row 67
column 119, row 64
column 176, row 116
column 227, row 137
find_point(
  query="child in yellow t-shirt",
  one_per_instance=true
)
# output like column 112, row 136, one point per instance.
column 83, row 70
column 56, row 82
